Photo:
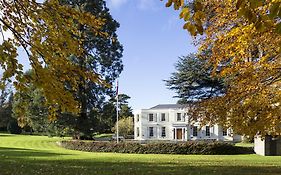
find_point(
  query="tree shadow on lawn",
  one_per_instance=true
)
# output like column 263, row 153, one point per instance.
column 79, row 167
column 7, row 135
column 25, row 153
column 18, row 161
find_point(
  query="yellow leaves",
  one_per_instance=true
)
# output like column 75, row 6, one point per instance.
column 245, row 49
column 177, row 3
column 50, row 34
column 185, row 14
column 194, row 18
column 191, row 28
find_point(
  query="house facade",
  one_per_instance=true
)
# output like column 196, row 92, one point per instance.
column 170, row 122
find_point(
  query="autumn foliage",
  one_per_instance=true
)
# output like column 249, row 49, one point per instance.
column 244, row 40
column 49, row 34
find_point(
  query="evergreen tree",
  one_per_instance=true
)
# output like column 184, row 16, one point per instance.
column 193, row 80
column 6, row 100
column 103, row 56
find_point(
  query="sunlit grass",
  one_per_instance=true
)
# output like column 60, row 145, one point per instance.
column 245, row 144
column 28, row 155
column 109, row 135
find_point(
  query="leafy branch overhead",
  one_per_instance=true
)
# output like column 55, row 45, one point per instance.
column 262, row 13
column 49, row 34
column 244, row 41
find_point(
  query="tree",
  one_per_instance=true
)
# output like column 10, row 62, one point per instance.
column 49, row 33
column 244, row 39
column 6, row 100
column 125, row 126
column 106, row 118
column 35, row 110
column 196, row 13
column 13, row 127
column 193, row 80
column 101, row 55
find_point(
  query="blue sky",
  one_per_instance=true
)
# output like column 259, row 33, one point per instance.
column 153, row 39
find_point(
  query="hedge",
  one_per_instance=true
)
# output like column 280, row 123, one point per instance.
column 192, row 147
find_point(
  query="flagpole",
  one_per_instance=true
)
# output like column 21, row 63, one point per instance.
column 117, row 124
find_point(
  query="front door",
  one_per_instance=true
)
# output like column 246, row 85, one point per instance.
column 179, row 134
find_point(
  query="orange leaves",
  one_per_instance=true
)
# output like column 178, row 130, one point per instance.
column 244, row 41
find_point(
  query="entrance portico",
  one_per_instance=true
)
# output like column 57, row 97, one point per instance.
column 180, row 132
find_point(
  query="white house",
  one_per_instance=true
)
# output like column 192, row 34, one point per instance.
column 170, row 122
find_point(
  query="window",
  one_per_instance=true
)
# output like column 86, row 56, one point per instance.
column 150, row 118
column 207, row 130
column 224, row 132
column 163, row 131
column 163, row 117
column 138, row 117
column 195, row 133
column 151, row 132
column 138, row 131
column 178, row 116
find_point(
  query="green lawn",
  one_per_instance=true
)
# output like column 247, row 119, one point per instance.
column 245, row 144
column 32, row 155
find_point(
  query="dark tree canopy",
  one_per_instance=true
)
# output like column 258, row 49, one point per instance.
column 193, row 80
column 102, row 55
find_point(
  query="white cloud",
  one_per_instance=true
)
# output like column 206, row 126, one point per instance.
column 116, row 3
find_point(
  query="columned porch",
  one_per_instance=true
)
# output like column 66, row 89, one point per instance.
column 180, row 132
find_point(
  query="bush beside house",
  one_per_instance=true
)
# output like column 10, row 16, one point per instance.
column 203, row 148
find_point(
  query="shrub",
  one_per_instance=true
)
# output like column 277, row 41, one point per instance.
column 125, row 127
column 192, row 147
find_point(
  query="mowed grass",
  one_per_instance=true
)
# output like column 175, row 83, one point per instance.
column 30, row 155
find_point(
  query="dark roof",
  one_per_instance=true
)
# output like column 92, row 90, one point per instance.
column 168, row 106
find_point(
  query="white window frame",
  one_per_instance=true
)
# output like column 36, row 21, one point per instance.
column 151, row 131
column 150, row 115
column 179, row 117
column 163, row 134
column 163, row 116
column 195, row 128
